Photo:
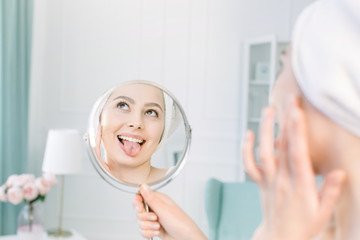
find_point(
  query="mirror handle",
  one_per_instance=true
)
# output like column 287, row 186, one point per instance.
column 147, row 209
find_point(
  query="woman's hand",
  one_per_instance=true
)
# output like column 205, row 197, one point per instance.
column 293, row 208
column 97, row 149
column 166, row 219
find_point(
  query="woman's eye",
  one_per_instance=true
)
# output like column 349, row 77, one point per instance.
column 123, row 106
column 152, row 113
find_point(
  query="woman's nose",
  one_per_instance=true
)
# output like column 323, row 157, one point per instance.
column 136, row 123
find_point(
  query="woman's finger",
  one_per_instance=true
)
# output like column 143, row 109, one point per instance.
column 249, row 160
column 266, row 143
column 283, row 149
column 147, row 216
column 300, row 162
column 98, row 141
column 149, row 225
column 138, row 203
column 150, row 233
column 330, row 192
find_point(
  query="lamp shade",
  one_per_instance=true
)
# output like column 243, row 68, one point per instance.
column 63, row 152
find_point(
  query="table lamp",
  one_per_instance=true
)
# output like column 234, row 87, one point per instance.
column 63, row 156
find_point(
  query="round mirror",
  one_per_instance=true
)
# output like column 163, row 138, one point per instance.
column 138, row 133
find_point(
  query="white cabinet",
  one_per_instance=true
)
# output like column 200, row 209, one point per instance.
column 261, row 66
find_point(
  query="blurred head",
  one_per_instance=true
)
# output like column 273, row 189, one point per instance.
column 321, row 69
column 132, row 123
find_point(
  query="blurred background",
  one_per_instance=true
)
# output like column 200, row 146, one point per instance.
column 59, row 56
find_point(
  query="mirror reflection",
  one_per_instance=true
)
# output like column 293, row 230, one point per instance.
column 137, row 133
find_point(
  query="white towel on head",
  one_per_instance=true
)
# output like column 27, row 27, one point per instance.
column 326, row 59
column 173, row 118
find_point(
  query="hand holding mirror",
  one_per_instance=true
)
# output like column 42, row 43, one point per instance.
column 138, row 133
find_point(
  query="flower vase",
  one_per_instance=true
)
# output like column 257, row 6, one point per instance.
column 30, row 226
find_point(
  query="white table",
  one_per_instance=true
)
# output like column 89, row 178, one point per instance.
column 75, row 236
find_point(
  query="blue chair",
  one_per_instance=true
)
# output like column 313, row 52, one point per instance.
column 233, row 209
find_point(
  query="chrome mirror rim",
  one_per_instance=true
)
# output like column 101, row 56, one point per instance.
column 133, row 188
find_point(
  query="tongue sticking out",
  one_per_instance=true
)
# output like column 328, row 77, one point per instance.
column 131, row 148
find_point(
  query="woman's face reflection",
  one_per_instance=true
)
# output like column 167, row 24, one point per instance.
column 132, row 123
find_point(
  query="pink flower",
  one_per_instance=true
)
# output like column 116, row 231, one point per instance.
column 44, row 183
column 42, row 186
column 25, row 178
column 19, row 180
column 15, row 195
column 30, row 191
column 3, row 196
column 49, row 179
column 11, row 180
column 26, row 187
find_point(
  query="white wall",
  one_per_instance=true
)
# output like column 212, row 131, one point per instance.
column 192, row 47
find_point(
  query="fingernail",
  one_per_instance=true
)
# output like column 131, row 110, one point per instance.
column 145, row 189
column 152, row 218
column 155, row 226
column 156, row 233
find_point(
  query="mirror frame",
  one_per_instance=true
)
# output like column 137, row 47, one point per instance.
column 133, row 188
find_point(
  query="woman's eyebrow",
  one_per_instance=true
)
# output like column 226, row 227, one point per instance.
column 153, row 104
column 130, row 100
